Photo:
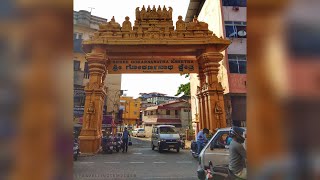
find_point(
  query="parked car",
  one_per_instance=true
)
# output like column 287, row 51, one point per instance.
column 140, row 132
column 165, row 137
column 215, row 152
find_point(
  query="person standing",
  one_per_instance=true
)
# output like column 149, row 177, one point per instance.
column 125, row 139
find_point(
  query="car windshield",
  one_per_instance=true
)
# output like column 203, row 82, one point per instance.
column 167, row 130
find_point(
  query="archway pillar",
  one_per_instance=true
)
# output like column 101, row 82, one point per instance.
column 212, row 91
column 90, row 136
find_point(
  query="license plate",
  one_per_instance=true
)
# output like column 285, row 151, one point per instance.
column 171, row 146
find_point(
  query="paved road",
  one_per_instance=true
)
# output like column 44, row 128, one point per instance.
column 140, row 162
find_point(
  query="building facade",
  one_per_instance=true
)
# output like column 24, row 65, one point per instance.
column 177, row 113
column 130, row 108
column 226, row 18
column 85, row 25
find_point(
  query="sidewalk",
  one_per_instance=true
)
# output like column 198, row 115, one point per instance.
column 188, row 144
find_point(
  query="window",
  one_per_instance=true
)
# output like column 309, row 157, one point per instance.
column 79, row 36
column 176, row 112
column 241, row 3
column 233, row 29
column 237, row 63
column 167, row 112
column 76, row 65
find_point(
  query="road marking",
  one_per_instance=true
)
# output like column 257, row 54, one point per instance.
column 136, row 162
column 149, row 155
column 225, row 154
column 183, row 162
column 137, row 153
column 111, row 162
column 159, row 162
column 87, row 162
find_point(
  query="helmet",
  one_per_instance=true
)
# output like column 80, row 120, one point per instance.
column 237, row 132
column 205, row 130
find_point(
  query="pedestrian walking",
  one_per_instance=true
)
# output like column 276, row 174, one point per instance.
column 125, row 139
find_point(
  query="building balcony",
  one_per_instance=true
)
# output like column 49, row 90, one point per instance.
column 164, row 116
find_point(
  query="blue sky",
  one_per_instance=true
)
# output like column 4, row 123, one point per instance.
column 136, row 83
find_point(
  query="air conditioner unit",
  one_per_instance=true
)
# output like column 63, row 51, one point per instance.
column 235, row 8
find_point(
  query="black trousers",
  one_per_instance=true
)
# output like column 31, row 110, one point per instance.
column 125, row 144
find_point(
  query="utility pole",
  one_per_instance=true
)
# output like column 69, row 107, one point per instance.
column 91, row 9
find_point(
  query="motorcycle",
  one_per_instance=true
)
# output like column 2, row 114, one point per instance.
column 107, row 145
column 76, row 150
column 182, row 144
column 194, row 148
column 117, row 144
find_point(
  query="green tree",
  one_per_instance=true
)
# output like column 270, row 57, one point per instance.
column 184, row 88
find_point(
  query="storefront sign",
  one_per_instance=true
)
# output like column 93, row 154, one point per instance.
column 153, row 65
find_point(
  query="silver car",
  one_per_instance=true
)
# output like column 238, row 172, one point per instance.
column 216, row 151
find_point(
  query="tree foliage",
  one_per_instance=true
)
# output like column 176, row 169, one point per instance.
column 184, row 88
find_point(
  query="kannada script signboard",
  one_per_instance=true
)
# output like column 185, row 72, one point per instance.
column 153, row 65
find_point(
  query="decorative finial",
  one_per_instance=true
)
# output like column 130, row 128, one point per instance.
column 127, row 18
column 159, row 8
column 180, row 17
column 143, row 8
column 164, row 8
column 113, row 20
column 148, row 10
column 154, row 8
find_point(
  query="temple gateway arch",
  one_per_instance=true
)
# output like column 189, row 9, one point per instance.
column 152, row 45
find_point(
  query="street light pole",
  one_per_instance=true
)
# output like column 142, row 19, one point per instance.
column 196, row 115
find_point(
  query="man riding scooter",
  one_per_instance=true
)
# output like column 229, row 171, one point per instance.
column 201, row 139
column 238, row 154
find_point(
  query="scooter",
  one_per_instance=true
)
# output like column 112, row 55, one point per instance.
column 76, row 150
column 218, row 172
column 107, row 145
column 194, row 149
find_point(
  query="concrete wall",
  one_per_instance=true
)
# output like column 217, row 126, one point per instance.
column 231, row 15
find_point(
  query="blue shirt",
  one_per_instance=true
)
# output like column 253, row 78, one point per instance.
column 125, row 134
column 229, row 140
column 201, row 137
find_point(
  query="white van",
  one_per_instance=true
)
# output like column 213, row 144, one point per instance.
column 165, row 137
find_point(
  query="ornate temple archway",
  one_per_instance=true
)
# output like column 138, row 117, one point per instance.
column 152, row 45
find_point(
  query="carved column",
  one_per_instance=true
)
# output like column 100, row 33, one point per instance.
column 90, row 137
column 213, row 91
column 202, row 116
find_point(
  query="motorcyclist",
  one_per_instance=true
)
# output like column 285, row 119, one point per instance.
column 238, row 154
column 201, row 139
